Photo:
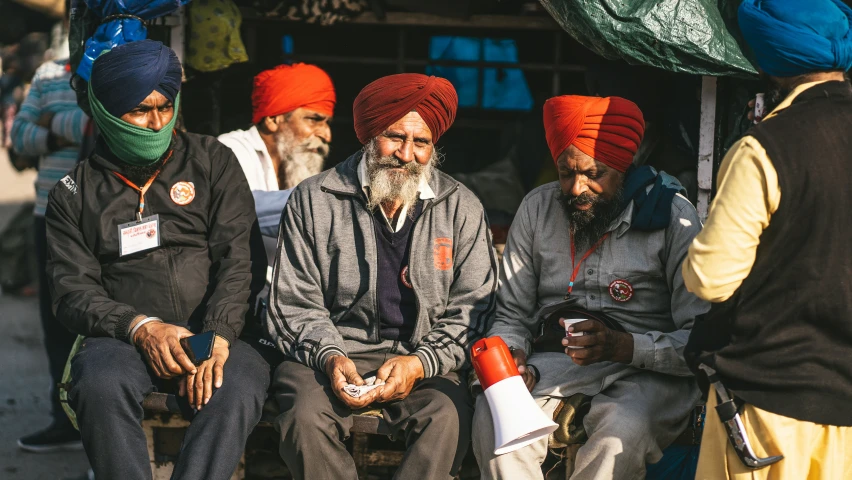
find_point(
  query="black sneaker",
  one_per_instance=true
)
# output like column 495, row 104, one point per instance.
column 55, row 438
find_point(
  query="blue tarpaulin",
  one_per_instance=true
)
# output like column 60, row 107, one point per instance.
column 121, row 30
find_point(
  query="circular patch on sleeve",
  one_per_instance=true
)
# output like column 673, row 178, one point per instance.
column 183, row 193
column 405, row 277
column 620, row 290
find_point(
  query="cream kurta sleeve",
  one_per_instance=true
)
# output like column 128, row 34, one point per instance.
column 722, row 255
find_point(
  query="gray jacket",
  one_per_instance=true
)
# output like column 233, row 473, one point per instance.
column 658, row 311
column 323, row 301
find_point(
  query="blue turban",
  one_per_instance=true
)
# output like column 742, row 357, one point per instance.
column 794, row 37
column 123, row 77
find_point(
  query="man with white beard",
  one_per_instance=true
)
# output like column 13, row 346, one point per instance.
column 291, row 108
column 385, row 270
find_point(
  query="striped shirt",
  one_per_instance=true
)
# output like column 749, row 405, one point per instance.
column 50, row 92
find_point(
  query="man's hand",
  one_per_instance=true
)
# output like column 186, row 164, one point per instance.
column 526, row 372
column 341, row 371
column 750, row 115
column 399, row 374
column 598, row 344
column 198, row 386
column 160, row 343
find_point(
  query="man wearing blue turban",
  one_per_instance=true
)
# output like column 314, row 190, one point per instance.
column 774, row 254
column 151, row 240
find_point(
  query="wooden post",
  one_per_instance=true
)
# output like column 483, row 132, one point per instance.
column 706, row 136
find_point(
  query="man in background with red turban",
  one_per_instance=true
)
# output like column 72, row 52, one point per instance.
column 384, row 276
column 292, row 106
column 289, row 141
column 601, row 251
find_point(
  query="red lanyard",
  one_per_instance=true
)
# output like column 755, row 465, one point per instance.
column 578, row 265
column 145, row 187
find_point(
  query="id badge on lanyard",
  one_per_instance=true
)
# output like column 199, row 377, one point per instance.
column 144, row 233
column 138, row 236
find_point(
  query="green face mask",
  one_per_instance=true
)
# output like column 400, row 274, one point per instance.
column 132, row 144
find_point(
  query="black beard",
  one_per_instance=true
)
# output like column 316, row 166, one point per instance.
column 773, row 93
column 588, row 226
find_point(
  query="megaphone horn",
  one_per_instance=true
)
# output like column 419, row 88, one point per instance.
column 518, row 420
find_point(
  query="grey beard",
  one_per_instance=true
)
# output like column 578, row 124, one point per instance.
column 298, row 162
column 588, row 226
column 390, row 187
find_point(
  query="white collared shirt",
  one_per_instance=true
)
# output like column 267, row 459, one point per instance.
column 251, row 152
column 424, row 189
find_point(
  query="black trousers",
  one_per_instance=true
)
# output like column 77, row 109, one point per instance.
column 109, row 381
column 434, row 420
column 57, row 339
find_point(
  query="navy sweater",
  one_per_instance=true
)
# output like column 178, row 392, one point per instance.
column 397, row 304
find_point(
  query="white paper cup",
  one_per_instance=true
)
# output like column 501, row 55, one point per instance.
column 570, row 321
column 759, row 107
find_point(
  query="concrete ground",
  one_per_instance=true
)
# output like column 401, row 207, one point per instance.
column 24, row 379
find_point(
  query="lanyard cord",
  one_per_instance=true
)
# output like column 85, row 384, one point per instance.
column 145, row 187
column 580, row 264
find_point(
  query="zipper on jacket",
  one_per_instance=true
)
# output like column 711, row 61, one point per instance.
column 375, row 334
column 411, row 270
column 426, row 208
column 173, row 287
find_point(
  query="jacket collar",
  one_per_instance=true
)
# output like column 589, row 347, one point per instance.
column 255, row 140
column 344, row 179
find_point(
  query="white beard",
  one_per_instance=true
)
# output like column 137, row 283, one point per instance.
column 387, row 187
column 298, row 162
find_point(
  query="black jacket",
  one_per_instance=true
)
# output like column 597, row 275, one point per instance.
column 205, row 274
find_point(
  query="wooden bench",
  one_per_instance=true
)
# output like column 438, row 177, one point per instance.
column 164, row 427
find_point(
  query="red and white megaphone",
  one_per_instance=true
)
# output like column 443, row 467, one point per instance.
column 518, row 420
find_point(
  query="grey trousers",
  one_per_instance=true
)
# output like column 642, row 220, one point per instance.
column 629, row 424
column 434, row 420
column 110, row 380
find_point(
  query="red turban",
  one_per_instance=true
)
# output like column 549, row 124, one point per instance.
column 388, row 99
column 288, row 87
column 607, row 129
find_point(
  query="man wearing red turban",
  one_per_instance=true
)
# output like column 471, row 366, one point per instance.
column 601, row 249
column 291, row 108
column 384, row 277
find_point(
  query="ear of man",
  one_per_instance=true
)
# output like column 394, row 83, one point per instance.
column 271, row 124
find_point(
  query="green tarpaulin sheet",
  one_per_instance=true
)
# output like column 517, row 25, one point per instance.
column 687, row 36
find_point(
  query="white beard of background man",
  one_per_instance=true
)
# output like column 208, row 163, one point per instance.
column 292, row 106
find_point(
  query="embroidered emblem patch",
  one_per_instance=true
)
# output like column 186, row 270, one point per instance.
column 183, row 193
column 620, row 290
column 405, row 277
column 442, row 253
column 69, row 184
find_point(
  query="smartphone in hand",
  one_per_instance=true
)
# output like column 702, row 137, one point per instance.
column 198, row 347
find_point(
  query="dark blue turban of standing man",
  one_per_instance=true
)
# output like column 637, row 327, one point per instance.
column 127, row 74
column 794, row 37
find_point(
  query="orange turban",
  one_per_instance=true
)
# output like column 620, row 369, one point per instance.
column 607, row 129
column 288, row 87
column 388, row 99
